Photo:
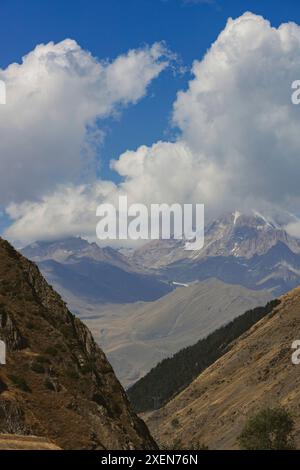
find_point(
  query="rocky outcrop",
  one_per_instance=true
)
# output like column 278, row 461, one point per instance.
column 57, row 382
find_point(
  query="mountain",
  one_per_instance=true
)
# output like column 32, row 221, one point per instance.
column 57, row 383
column 256, row 372
column 244, row 235
column 233, row 234
column 251, row 250
column 172, row 375
column 278, row 269
column 79, row 269
column 72, row 249
column 247, row 259
column 248, row 249
column 138, row 336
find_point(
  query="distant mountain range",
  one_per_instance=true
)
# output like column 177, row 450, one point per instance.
column 96, row 275
column 246, row 249
column 251, row 250
column 174, row 296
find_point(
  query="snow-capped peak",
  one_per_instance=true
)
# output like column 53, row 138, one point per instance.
column 236, row 215
column 268, row 221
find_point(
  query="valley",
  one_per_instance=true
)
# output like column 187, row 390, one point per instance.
column 136, row 337
column 145, row 305
column 188, row 308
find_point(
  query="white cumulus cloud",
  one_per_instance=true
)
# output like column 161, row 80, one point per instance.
column 54, row 97
column 67, row 211
column 239, row 140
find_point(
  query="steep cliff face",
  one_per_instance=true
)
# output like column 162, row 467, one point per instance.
column 57, row 382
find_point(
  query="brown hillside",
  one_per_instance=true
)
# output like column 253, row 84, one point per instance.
column 256, row 372
column 15, row 442
column 57, row 382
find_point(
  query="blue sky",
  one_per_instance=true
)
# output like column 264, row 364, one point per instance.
column 108, row 28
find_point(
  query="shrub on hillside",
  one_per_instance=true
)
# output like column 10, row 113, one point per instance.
column 269, row 429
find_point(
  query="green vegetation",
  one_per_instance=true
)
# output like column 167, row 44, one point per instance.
column 20, row 382
column 175, row 423
column 73, row 374
column 172, row 375
column 88, row 367
column 51, row 351
column 269, row 429
column 42, row 360
column 30, row 325
column 199, row 446
column 49, row 384
column 67, row 331
column 177, row 444
column 37, row 367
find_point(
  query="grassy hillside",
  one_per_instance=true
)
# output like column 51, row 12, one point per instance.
column 255, row 374
column 172, row 375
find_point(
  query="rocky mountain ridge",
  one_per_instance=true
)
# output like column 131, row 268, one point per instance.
column 238, row 234
column 251, row 250
column 57, row 383
column 80, row 269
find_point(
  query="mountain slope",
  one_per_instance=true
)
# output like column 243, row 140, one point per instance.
column 79, row 269
column 57, row 382
column 256, row 372
column 136, row 338
column 172, row 375
column 99, row 282
column 15, row 442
